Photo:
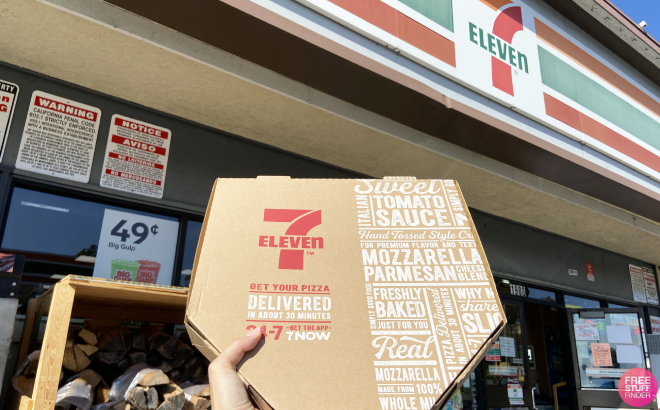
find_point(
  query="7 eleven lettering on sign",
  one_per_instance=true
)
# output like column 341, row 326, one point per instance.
column 136, row 157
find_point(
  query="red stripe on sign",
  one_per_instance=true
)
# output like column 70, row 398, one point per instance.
column 502, row 79
column 135, row 160
column 137, row 178
column 575, row 119
column 372, row 11
column 426, row 39
column 143, row 146
column 145, row 129
column 56, row 106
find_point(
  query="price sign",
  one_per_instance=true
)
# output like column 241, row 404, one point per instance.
column 136, row 248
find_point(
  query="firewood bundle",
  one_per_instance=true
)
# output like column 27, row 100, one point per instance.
column 163, row 372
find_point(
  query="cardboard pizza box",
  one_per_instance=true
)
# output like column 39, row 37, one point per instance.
column 370, row 294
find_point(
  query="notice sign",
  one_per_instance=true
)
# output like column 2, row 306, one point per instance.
column 493, row 355
column 586, row 331
column 136, row 157
column 514, row 391
column 59, row 137
column 637, row 281
column 136, row 248
column 601, row 354
column 507, row 346
column 649, row 284
column 655, row 325
column 8, row 96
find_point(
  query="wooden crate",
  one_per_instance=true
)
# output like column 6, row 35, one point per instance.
column 91, row 298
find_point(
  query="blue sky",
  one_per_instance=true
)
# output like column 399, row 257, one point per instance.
column 642, row 10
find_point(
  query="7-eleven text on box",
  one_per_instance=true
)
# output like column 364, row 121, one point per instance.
column 136, row 157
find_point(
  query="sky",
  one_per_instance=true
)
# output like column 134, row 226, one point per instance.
column 642, row 10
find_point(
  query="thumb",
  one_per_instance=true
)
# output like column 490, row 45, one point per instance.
column 233, row 353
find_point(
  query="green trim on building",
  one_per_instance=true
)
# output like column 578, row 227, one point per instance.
column 568, row 81
column 438, row 11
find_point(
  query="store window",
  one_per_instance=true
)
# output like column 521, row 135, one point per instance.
column 606, row 347
column 575, row 302
column 193, row 231
column 60, row 235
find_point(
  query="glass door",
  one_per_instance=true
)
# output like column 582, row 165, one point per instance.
column 505, row 365
column 605, row 343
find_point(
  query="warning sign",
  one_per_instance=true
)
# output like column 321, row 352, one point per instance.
column 8, row 96
column 136, row 157
column 59, row 137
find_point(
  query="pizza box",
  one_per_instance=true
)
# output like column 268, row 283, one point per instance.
column 370, row 294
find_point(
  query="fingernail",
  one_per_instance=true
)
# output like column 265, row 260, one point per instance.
column 254, row 331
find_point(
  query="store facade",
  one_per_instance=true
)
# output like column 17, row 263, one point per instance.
column 547, row 121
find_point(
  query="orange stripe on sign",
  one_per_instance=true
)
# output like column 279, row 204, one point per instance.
column 575, row 53
column 575, row 119
column 496, row 4
column 398, row 24
column 426, row 39
column 372, row 11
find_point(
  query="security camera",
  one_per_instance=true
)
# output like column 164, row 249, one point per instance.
column 642, row 24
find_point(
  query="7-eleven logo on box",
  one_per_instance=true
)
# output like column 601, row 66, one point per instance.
column 295, row 241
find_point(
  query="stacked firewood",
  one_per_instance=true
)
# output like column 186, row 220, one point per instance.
column 120, row 368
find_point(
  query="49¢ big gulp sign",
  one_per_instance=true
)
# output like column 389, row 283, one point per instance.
column 136, row 248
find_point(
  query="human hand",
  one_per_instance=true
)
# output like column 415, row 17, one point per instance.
column 227, row 390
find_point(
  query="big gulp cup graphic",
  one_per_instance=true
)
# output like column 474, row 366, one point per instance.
column 121, row 269
column 148, row 272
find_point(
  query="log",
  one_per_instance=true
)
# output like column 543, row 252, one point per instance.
column 137, row 397
column 23, row 384
column 32, row 357
column 138, row 357
column 112, row 344
column 154, row 378
column 88, row 349
column 158, row 339
column 197, row 403
column 69, row 359
column 31, row 368
column 173, row 394
column 139, row 342
column 81, row 359
column 199, row 390
column 165, row 367
column 89, row 376
column 88, row 337
column 152, row 398
column 174, row 374
column 102, row 394
column 168, row 349
column 109, row 357
column 127, row 339
column 177, row 363
column 184, row 351
column 166, row 405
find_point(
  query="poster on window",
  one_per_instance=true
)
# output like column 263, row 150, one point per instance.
column 637, row 281
column 8, row 96
column 59, row 137
column 650, row 285
column 136, row 248
column 136, row 157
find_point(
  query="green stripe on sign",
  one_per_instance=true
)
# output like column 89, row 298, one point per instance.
column 568, row 81
column 438, row 11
